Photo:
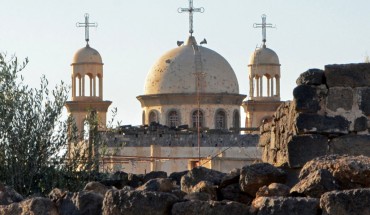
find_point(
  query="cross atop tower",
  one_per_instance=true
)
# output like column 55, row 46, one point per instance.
column 87, row 25
column 263, row 25
column 190, row 10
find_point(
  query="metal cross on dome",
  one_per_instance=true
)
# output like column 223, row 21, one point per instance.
column 263, row 25
column 191, row 10
column 87, row 25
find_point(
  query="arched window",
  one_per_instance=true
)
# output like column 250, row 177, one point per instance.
column 236, row 119
column 220, row 119
column 153, row 117
column 173, row 118
column 195, row 120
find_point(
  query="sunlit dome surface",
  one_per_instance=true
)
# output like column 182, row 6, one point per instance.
column 87, row 55
column 264, row 56
column 174, row 72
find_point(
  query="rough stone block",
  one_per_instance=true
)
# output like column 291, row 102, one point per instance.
column 360, row 124
column 210, row 207
column 274, row 189
column 350, row 171
column 96, row 187
column 265, row 127
column 311, row 77
column 83, row 202
column 365, row 101
column 137, row 202
column 264, row 139
column 194, row 176
column 340, row 97
column 355, row 201
column 313, row 123
column 157, row 185
column 233, row 193
column 348, row 75
column 351, row 145
column 285, row 205
column 254, row 176
column 315, row 184
column 304, row 148
column 205, row 187
column 231, row 178
column 154, row 174
column 306, row 99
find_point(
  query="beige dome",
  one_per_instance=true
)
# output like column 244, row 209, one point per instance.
column 174, row 72
column 87, row 55
column 264, row 56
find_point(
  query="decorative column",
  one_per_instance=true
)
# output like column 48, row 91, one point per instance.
column 73, row 87
column 94, row 86
column 261, row 87
column 101, row 87
column 83, row 86
column 258, row 86
column 251, row 90
column 272, row 86
column 91, row 86
column 278, row 86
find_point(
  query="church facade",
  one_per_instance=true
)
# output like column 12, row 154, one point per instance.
column 190, row 109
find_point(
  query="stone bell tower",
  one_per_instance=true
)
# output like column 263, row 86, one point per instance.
column 264, row 83
column 87, row 84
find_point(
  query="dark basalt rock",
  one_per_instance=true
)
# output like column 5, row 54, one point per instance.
column 311, row 77
column 254, row 176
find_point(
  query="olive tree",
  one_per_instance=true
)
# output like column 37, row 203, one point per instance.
column 33, row 138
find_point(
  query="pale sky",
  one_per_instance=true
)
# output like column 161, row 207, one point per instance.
column 132, row 35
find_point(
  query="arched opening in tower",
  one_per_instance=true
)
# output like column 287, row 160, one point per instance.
column 265, row 86
column 77, row 89
column 98, row 86
column 88, row 85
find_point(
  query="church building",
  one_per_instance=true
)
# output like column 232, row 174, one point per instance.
column 190, row 108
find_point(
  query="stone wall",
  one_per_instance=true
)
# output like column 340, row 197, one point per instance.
column 182, row 139
column 328, row 115
column 139, row 150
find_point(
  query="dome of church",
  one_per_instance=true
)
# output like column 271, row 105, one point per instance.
column 87, row 55
column 174, row 72
column 264, row 56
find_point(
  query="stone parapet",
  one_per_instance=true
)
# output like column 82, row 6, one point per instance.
column 180, row 139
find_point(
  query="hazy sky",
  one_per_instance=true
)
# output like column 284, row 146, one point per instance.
column 132, row 35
